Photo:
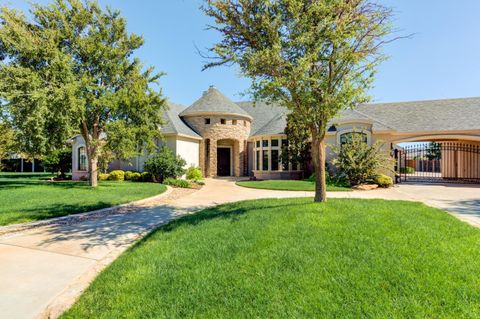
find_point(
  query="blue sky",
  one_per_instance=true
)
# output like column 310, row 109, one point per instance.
column 442, row 60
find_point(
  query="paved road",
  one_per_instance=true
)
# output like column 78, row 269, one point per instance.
column 44, row 269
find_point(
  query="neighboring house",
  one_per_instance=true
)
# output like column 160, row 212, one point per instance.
column 245, row 139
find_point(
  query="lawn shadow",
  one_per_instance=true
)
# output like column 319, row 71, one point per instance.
column 122, row 227
column 115, row 230
column 465, row 207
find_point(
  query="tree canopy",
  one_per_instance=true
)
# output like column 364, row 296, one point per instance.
column 70, row 69
column 316, row 57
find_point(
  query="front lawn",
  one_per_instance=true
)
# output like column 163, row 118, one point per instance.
column 291, row 258
column 289, row 185
column 29, row 197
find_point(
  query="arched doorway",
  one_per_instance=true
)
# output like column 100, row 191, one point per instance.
column 225, row 159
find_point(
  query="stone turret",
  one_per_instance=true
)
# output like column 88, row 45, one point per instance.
column 224, row 126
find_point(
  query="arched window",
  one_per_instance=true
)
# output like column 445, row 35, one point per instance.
column 347, row 137
column 82, row 159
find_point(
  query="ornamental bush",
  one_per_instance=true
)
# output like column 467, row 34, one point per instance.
column 383, row 181
column 358, row 162
column 165, row 164
column 129, row 175
column 177, row 182
column 194, row 173
column 117, row 175
column 136, row 177
column 146, row 177
column 103, row 177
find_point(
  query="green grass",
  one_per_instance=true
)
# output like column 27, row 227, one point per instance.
column 30, row 197
column 291, row 258
column 289, row 185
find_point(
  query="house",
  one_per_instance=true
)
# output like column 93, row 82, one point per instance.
column 225, row 138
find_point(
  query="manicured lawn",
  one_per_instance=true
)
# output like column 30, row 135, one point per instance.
column 291, row 258
column 289, row 185
column 28, row 197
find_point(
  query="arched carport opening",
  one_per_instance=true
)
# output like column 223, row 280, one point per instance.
column 438, row 159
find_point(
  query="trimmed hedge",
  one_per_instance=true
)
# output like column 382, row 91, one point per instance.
column 117, row 175
column 177, row 182
column 383, row 181
column 103, row 177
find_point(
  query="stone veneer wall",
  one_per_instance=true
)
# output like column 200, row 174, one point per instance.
column 214, row 132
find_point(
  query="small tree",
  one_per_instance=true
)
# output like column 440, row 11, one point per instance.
column 298, row 148
column 315, row 57
column 358, row 162
column 70, row 68
column 59, row 161
column 165, row 164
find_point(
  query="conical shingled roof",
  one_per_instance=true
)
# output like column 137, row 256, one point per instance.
column 213, row 101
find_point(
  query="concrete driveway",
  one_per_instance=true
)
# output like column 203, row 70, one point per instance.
column 44, row 270
column 462, row 201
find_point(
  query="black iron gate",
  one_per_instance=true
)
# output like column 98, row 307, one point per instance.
column 438, row 162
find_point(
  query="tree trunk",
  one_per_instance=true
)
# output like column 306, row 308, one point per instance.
column 318, row 157
column 93, row 170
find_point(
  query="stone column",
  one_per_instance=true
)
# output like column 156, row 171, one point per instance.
column 236, row 158
column 201, row 160
column 212, row 159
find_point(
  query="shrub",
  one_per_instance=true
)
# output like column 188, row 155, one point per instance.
column 117, row 175
column 146, row 177
column 194, row 173
column 135, row 177
column 358, row 162
column 383, row 181
column 103, row 177
column 201, row 183
column 129, row 175
column 177, row 182
column 165, row 164
column 407, row 170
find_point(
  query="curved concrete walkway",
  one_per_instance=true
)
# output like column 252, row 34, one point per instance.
column 44, row 269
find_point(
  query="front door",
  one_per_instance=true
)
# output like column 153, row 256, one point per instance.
column 223, row 161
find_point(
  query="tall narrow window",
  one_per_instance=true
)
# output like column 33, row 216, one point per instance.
column 274, row 160
column 258, row 144
column 82, row 159
column 257, row 167
column 265, row 160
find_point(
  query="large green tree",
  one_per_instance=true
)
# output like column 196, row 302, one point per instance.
column 316, row 57
column 7, row 140
column 70, row 68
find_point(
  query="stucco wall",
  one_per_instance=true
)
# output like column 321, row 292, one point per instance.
column 188, row 149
